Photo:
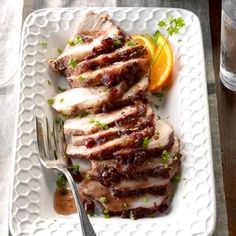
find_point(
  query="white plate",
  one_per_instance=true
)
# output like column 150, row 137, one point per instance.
column 186, row 108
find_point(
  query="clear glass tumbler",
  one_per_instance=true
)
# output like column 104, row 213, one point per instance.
column 228, row 44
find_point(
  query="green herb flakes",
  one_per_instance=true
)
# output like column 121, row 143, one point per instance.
column 117, row 42
column 165, row 156
column 61, row 89
column 83, row 114
column 50, row 101
column 61, row 100
column 99, row 124
column 77, row 40
column 49, row 82
column 125, row 205
column 146, row 142
column 130, row 43
column 76, row 167
column 145, row 199
column 59, row 120
column 71, row 43
column 161, row 23
column 44, row 44
column 59, row 51
column 103, row 200
column 81, row 78
column 175, row 179
column 72, row 62
column 61, row 180
column 106, row 213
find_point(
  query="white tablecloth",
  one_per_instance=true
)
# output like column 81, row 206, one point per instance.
column 10, row 28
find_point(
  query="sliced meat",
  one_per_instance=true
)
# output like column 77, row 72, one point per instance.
column 95, row 34
column 122, row 54
column 128, row 125
column 162, row 140
column 128, row 71
column 128, row 207
column 137, row 92
column 75, row 100
column 84, row 126
column 112, row 171
column 105, row 150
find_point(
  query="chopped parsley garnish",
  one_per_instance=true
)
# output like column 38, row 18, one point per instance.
column 83, row 114
column 77, row 40
column 76, row 167
column 61, row 180
column 175, row 179
column 165, row 156
column 49, row 82
column 61, row 100
column 146, row 142
column 81, row 78
column 106, row 213
column 44, row 43
column 162, row 92
column 103, row 200
column 131, row 216
column 50, row 101
column 59, row 51
column 117, row 42
column 161, row 23
column 99, row 124
column 61, row 89
column 145, row 199
column 71, row 43
column 130, row 43
column 72, row 62
column 125, row 205
column 59, row 120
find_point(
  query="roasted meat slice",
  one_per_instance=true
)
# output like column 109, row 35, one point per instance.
column 75, row 100
column 133, row 207
column 112, row 171
column 105, row 150
column 94, row 122
column 162, row 139
column 128, row 125
column 122, row 54
column 128, row 71
column 95, row 34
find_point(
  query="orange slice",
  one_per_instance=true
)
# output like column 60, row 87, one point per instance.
column 146, row 41
column 160, row 71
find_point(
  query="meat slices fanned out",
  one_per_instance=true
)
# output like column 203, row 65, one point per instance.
column 127, row 156
column 95, row 34
column 105, row 150
column 122, row 54
column 109, row 76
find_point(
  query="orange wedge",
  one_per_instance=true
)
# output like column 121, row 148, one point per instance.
column 147, row 42
column 161, row 68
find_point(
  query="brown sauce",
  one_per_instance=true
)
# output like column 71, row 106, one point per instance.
column 64, row 203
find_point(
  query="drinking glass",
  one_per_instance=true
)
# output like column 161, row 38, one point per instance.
column 228, row 44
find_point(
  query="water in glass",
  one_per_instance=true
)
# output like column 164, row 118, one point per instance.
column 228, row 44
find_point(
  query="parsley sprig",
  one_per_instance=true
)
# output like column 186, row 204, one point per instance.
column 171, row 26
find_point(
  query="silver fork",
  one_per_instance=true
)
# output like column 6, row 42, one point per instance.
column 47, row 152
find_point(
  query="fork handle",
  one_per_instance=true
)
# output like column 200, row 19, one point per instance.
column 87, row 228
